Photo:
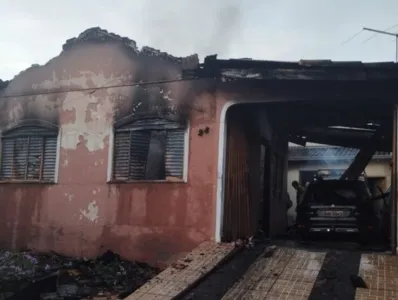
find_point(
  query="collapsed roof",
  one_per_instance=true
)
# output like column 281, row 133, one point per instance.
column 102, row 36
column 99, row 35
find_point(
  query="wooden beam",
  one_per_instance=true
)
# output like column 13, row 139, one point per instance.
column 362, row 158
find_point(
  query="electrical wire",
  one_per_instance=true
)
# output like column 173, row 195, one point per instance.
column 351, row 38
column 93, row 89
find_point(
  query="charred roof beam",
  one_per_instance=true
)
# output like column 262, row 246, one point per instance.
column 324, row 70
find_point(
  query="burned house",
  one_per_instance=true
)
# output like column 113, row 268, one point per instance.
column 111, row 147
column 73, row 180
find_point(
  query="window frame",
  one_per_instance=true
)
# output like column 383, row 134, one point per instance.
column 130, row 120
column 52, row 131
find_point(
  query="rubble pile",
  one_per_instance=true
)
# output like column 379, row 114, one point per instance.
column 30, row 275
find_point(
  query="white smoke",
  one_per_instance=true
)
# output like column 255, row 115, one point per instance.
column 183, row 26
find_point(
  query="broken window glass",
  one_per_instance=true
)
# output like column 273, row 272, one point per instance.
column 28, row 153
column 149, row 150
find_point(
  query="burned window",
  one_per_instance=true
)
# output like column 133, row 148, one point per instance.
column 151, row 149
column 28, row 153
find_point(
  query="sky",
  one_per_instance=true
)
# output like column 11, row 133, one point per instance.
column 32, row 32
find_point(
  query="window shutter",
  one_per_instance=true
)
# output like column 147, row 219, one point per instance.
column 139, row 144
column 18, row 160
column 35, row 157
column 29, row 153
column 10, row 167
column 50, row 156
column 121, row 155
column 6, row 158
column 175, row 153
column 133, row 142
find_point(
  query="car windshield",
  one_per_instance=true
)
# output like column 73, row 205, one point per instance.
column 337, row 193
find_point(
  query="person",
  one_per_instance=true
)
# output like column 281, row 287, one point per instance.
column 289, row 202
column 299, row 190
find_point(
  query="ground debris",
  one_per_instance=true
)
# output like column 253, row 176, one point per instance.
column 269, row 251
column 30, row 275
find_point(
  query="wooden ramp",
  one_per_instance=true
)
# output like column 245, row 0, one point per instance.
column 183, row 274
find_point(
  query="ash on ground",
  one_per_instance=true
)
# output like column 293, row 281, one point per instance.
column 30, row 275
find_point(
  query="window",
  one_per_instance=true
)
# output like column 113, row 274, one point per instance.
column 28, row 153
column 150, row 149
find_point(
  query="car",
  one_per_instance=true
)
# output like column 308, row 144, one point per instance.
column 336, row 206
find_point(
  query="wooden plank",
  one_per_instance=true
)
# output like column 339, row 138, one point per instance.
column 184, row 273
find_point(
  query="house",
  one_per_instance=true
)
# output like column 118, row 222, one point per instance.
column 108, row 146
column 65, row 158
column 305, row 162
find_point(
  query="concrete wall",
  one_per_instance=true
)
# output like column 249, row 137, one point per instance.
column 374, row 169
column 82, row 214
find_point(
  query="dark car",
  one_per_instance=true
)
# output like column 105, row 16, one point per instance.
column 336, row 206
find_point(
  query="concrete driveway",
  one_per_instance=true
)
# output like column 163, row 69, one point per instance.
column 277, row 272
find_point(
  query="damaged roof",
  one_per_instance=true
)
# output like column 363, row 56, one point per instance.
column 3, row 85
column 329, row 153
column 102, row 36
column 99, row 35
column 232, row 69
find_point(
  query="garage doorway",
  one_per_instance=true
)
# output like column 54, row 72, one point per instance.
column 254, row 178
column 244, row 209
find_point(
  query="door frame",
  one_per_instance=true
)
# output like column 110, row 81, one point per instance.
column 221, row 161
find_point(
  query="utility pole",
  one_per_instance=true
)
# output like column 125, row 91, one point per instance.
column 387, row 33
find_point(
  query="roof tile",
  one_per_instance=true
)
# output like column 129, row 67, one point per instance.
column 328, row 153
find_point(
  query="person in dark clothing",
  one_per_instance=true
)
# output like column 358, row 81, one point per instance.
column 299, row 190
column 289, row 202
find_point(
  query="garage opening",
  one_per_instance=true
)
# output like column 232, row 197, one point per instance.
column 258, row 174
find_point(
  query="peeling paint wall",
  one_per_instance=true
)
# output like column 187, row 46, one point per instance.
column 82, row 214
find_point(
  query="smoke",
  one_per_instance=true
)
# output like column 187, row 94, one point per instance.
column 330, row 156
column 182, row 27
column 337, row 159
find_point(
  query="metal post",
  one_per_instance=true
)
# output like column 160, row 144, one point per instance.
column 394, row 185
column 387, row 33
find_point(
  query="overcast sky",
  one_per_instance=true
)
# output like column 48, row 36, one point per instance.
column 34, row 31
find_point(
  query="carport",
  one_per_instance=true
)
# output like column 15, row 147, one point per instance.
column 268, row 104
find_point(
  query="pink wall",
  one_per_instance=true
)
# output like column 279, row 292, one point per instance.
column 82, row 214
